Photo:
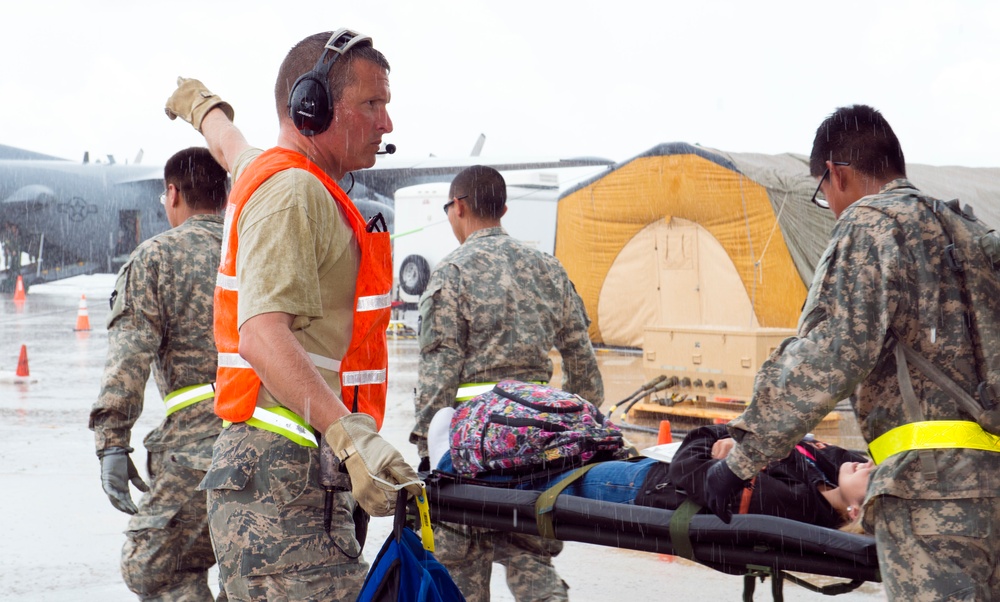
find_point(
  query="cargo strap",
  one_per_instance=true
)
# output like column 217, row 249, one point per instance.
column 547, row 501
column 186, row 396
column 467, row 391
column 933, row 434
column 282, row 421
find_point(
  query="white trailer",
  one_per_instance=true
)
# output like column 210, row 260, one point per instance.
column 423, row 235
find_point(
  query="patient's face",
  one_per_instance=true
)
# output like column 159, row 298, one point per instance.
column 853, row 480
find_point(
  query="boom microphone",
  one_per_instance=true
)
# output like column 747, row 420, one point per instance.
column 389, row 149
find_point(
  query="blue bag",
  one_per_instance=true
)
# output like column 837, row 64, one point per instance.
column 404, row 571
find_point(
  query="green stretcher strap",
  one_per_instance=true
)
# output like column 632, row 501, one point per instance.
column 680, row 525
column 547, row 501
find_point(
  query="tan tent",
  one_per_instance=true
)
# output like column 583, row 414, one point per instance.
column 689, row 236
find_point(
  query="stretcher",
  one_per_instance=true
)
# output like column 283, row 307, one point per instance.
column 754, row 546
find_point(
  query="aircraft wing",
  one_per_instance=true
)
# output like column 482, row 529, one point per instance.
column 391, row 173
column 12, row 153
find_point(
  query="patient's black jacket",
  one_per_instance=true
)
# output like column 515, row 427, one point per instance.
column 789, row 488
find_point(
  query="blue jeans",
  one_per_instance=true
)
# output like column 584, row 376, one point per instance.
column 614, row 481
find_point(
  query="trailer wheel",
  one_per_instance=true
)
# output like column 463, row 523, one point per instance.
column 414, row 275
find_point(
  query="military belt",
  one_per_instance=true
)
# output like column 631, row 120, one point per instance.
column 186, row 396
column 933, row 434
column 467, row 391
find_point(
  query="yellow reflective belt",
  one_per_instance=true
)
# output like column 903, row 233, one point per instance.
column 933, row 434
column 186, row 396
column 282, row 421
column 467, row 391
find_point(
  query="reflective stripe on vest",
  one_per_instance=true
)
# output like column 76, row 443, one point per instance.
column 229, row 283
column 233, row 360
column 356, row 377
column 375, row 302
column 186, row 396
column 363, row 377
column 363, row 367
column 933, row 434
column 467, row 391
column 282, row 421
column 325, row 363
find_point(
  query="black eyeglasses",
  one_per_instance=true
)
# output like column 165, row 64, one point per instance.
column 452, row 202
column 818, row 200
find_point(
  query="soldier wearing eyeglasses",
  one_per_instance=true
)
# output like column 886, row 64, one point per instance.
column 884, row 288
column 494, row 309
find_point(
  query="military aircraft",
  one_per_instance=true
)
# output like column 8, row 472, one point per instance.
column 70, row 218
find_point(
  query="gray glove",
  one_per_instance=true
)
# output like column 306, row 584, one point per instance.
column 369, row 460
column 117, row 470
column 191, row 101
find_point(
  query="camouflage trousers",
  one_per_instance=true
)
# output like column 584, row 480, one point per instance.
column 469, row 553
column 938, row 549
column 167, row 551
column 266, row 515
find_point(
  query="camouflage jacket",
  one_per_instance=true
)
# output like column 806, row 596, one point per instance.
column 884, row 269
column 494, row 308
column 161, row 316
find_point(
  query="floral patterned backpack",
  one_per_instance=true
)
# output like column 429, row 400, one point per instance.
column 521, row 428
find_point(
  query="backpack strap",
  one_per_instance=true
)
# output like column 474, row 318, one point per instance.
column 956, row 263
column 937, row 376
column 547, row 501
column 911, row 406
column 399, row 519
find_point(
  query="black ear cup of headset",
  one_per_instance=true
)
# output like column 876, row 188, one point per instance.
column 310, row 104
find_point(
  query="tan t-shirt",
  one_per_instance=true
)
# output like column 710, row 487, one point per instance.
column 297, row 255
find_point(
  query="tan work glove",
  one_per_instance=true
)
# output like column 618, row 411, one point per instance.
column 374, row 465
column 191, row 101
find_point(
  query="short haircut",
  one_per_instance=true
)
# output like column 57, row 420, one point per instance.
column 302, row 58
column 484, row 188
column 861, row 136
column 203, row 183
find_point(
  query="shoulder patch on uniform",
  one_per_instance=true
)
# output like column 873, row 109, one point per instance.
column 119, row 300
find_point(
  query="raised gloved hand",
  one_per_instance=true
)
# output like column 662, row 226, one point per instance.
column 376, row 468
column 191, row 101
column 721, row 487
column 117, row 470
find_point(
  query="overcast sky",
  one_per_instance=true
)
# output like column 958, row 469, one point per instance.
column 541, row 77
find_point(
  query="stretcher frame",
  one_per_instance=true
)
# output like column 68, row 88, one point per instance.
column 753, row 546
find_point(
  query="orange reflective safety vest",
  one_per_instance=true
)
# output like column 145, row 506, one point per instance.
column 363, row 368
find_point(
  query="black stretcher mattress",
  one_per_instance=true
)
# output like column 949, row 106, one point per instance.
column 777, row 543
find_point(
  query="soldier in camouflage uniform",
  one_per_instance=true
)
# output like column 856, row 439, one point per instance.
column 494, row 308
column 882, row 278
column 161, row 315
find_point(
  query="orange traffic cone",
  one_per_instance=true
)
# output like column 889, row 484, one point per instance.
column 82, row 317
column 665, row 436
column 19, row 289
column 22, row 361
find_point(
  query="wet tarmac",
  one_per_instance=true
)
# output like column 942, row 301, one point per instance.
column 60, row 538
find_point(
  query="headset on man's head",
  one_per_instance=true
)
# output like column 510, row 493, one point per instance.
column 310, row 104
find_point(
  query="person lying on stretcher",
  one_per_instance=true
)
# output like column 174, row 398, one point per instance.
column 818, row 483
